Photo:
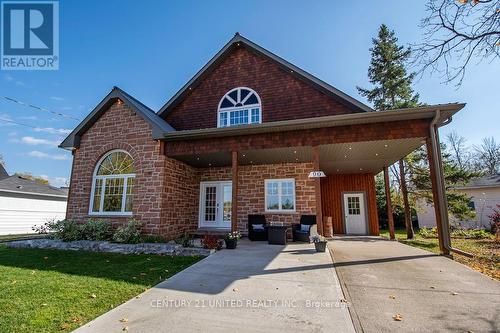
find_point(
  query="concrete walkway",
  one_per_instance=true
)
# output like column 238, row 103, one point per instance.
column 383, row 278
column 255, row 288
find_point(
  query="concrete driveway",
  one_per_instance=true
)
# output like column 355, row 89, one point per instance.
column 382, row 278
column 255, row 288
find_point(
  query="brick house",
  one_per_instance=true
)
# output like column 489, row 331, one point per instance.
column 242, row 137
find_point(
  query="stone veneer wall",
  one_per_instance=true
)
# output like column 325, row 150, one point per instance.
column 251, row 190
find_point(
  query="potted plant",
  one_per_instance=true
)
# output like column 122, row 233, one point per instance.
column 231, row 239
column 319, row 243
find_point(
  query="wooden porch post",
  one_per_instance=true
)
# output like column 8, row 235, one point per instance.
column 435, row 197
column 317, row 189
column 390, row 218
column 234, row 194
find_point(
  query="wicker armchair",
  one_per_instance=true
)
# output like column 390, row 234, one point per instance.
column 303, row 231
column 257, row 228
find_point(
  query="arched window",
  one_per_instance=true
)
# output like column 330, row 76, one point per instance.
column 113, row 184
column 240, row 106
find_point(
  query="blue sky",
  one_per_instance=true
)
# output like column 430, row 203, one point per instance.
column 151, row 48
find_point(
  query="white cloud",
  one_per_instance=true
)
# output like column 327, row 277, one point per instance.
column 28, row 118
column 39, row 154
column 37, row 141
column 52, row 130
column 8, row 78
column 56, row 98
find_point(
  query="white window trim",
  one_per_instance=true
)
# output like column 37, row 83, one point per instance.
column 280, row 181
column 104, row 178
column 238, row 108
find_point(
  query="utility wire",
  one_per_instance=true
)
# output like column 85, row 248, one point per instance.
column 28, row 105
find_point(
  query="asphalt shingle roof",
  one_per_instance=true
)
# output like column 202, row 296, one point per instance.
column 17, row 183
column 487, row 181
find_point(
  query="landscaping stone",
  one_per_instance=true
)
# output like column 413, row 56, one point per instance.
column 104, row 246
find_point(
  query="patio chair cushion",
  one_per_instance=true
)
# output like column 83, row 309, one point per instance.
column 258, row 227
column 305, row 227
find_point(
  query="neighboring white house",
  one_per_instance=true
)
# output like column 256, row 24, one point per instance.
column 485, row 194
column 25, row 203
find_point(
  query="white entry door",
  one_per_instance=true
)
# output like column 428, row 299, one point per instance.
column 355, row 215
column 215, row 204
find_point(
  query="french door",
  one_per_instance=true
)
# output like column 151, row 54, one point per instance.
column 215, row 204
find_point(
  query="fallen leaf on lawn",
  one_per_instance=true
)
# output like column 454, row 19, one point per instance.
column 124, row 320
column 454, row 294
column 125, row 328
column 44, row 304
column 13, row 282
column 397, row 317
column 392, row 297
column 133, row 277
column 45, row 258
column 148, row 259
column 143, row 274
column 145, row 289
column 107, row 260
column 33, row 272
column 53, row 266
column 138, row 296
column 166, row 270
column 235, row 290
column 76, row 320
column 93, row 295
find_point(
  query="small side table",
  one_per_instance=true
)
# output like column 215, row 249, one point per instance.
column 277, row 234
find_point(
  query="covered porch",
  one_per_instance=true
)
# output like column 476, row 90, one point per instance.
column 332, row 161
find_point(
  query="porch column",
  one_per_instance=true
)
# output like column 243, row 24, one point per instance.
column 436, row 199
column 390, row 218
column 234, row 194
column 317, row 189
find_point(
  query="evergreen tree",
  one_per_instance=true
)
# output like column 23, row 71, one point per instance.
column 392, row 89
column 387, row 72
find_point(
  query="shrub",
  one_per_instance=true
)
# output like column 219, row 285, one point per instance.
column 129, row 233
column 96, row 230
column 65, row 230
column 471, row 233
column 428, row 232
column 211, row 242
column 184, row 240
column 153, row 239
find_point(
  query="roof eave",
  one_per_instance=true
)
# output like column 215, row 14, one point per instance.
column 427, row 112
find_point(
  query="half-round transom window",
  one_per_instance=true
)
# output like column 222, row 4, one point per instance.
column 113, row 184
column 239, row 106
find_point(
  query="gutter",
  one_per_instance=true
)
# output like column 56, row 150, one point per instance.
column 317, row 122
column 438, row 170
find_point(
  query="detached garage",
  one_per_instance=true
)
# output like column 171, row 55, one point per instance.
column 25, row 203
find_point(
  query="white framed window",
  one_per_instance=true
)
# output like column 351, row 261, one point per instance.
column 280, row 195
column 113, row 184
column 239, row 106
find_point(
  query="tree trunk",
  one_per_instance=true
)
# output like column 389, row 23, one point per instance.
column 404, row 193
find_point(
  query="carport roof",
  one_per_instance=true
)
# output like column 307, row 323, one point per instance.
column 424, row 112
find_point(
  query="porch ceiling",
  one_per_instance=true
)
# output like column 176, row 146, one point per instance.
column 341, row 158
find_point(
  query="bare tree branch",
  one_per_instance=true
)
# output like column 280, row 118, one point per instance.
column 455, row 32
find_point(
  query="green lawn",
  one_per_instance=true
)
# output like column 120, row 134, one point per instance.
column 486, row 252
column 58, row 291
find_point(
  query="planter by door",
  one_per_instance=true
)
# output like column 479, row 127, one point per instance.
column 231, row 243
column 320, row 246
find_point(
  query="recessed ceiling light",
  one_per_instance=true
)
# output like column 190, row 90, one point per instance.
column 376, row 154
column 244, row 155
column 385, row 146
column 197, row 158
column 295, row 152
column 297, row 159
column 345, row 156
column 350, row 148
column 360, row 169
column 209, row 164
column 338, row 170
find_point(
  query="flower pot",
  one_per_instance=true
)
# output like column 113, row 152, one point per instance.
column 320, row 246
column 231, row 243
